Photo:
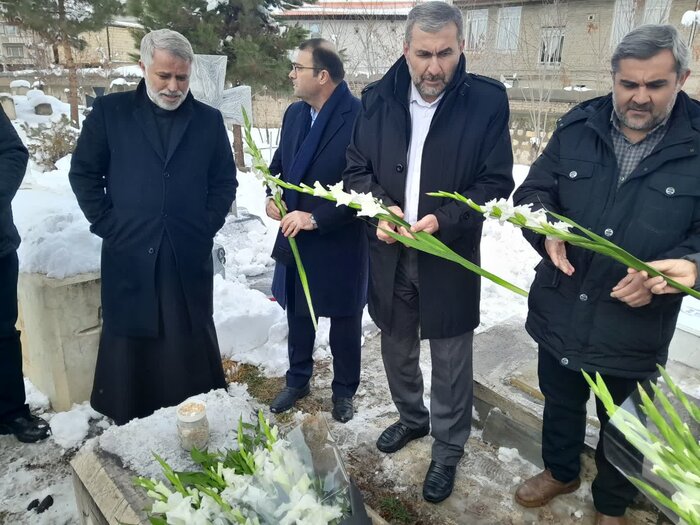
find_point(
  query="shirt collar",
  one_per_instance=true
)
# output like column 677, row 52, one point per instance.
column 416, row 97
column 313, row 113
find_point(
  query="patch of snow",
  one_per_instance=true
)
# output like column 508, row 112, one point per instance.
column 20, row 84
column 69, row 429
column 38, row 401
column 506, row 455
column 137, row 441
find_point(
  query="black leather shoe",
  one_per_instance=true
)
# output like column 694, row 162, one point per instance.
column 286, row 399
column 397, row 435
column 439, row 482
column 26, row 428
column 342, row 409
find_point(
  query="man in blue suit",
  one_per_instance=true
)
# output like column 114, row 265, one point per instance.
column 333, row 246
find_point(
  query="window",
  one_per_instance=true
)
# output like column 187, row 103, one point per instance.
column 551, row 46
column 477, row 21
column 657, row 11
column 623, row 20
column 314, row 31
column 8, row 30
column 14, row 51
column 508, row 28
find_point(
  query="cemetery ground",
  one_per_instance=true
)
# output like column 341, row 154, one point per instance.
column 391, row 484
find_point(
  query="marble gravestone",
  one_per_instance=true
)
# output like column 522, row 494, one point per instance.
column 207, row 85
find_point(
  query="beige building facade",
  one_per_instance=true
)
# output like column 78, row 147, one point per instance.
column 562, row 45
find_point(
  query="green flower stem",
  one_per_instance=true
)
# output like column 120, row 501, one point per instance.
column 260, row 165
column 590, row 240
column 422, row 241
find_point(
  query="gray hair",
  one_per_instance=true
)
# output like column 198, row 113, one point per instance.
column 431, row 17
column 649, row 40
column 165, row 40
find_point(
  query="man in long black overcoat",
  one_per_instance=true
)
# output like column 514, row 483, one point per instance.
column 15, row 417
column 154, row 174
column 428, row 125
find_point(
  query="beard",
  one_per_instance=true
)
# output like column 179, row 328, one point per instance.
column 643, row 124
column 157, row 97
column 429, row 91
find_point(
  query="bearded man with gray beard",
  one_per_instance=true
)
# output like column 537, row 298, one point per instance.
column 154, row 174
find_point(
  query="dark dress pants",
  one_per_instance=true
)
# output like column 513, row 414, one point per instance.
column 564, row 428
column 345, row 342
column 12, row 397
column 451, row 384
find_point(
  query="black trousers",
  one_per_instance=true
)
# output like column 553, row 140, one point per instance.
column 12, row 397
column 564, row 427
column 345, row 340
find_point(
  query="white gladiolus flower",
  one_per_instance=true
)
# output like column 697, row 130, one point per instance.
column 319, row 190
column 371, row 207
column 340, row 196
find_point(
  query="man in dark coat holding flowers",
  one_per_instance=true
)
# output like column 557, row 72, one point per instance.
column 332, row 243
column 625, row 166
column 428, row 125
column 153, row 172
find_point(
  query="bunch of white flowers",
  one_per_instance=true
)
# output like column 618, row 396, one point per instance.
column 264, row 481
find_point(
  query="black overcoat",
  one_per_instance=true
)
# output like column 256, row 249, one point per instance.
column 335, row 254
column 468, row 150
column 654, row 214
column 13, row 162
column 133, row 193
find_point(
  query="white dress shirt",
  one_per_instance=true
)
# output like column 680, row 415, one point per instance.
column 421, row 115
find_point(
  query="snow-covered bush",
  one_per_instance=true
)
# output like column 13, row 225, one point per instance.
column 49, row 143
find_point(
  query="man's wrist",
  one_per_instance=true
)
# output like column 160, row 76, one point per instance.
column 314, row 224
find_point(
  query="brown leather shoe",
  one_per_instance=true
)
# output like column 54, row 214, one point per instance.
column 604, row 519
column 540, row 489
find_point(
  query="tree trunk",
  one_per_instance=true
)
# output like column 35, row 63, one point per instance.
column 72, row 83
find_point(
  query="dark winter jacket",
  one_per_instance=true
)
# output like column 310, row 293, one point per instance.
column 335, row 254
column 654, row 214
column 13, row 163
column 133, row 193
column 468, row 150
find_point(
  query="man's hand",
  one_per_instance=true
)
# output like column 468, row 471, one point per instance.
column 680, row 270
column 556, row 249
column 631, row 289
column 428, row 224
column 295, row 221
column 272, row 210
column 386, row 225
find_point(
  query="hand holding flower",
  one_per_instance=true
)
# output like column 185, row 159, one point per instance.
column 680, row 270
column 631, row 289
column 428, row 224
column 272, row 210
column 386, row 225
column 556, row 249
column 294, row 222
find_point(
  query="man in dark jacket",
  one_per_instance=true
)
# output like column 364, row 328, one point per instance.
column 427, row 125
column 15, row 417
column 625, row 166
column 154, row 174
column 333, row 246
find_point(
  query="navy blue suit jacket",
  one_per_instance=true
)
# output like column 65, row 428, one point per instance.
column 335, row 254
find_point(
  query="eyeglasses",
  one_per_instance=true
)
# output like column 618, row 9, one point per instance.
column 296, row 67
